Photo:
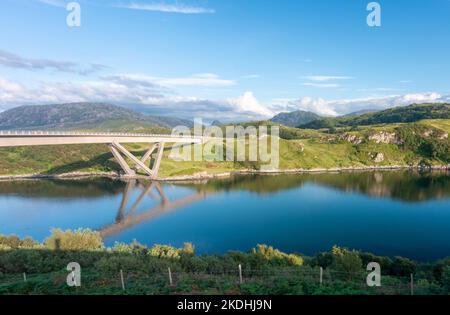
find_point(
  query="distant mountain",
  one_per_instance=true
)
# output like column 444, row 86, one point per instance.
column 86, row 116
column 294, row 119
column 402, row 114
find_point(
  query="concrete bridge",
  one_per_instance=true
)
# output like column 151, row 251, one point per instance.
column 113, row 140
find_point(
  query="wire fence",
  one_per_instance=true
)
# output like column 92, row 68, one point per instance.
column 237, row 281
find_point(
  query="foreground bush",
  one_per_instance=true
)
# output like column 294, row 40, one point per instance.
column 77, row 240
column 271, row 254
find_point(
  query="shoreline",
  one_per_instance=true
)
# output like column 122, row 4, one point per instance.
column 207, row 176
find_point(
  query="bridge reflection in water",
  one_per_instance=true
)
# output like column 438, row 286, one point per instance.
column 126, row 219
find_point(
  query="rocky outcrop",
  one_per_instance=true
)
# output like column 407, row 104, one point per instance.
column 354, row 139
column 379, row 158
column 385, row 137
column 439, row 134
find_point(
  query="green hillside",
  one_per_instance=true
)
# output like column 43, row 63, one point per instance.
column 405, row 114
column 294, row 119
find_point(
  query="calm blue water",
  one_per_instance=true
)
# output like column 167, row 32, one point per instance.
column 387, row 213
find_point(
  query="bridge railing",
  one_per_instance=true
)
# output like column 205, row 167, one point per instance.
column 28, row 133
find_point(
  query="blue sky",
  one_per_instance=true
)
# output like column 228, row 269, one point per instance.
column 226, row 59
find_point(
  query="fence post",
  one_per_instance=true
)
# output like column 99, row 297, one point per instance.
column 121, row 280
column 321, row 275
column 412, row 284
column 240, row 274
column 24, row 277
column 170, row 276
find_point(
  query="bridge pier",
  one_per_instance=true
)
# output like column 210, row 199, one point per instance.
column 157, row 163
column 123, row 164
column 146, row 156
column 117, row 151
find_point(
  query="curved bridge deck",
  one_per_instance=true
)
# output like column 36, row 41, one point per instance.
column 113, row 140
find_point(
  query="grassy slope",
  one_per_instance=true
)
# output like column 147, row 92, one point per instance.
column 443, row 124
column 311, row 151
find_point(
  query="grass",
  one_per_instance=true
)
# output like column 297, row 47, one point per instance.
column 443, row 124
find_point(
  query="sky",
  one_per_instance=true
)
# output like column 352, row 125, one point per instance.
column 226, row 59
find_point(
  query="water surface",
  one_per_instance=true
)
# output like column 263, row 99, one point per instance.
column 387, row 213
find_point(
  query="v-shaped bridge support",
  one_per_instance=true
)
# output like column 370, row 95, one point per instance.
column 117, row 151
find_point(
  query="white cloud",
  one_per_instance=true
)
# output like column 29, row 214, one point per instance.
column 319, row 106
column 251, row 76
column 163, row 100
column 418, row 98
column 381, row 89
column 206, row 80
column 9, row 86
column 321, row 85
column 55, row 3
column 9, row 90
column 322, row 78
column 201, row 80
column 13, row 94
column 247, row 103
column 136, row 90
column 167, row 8
column 345, row 106
column 12, row 60
column 319, row 81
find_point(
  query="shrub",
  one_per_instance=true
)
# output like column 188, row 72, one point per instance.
column 165, row 251
column 346, row 262
column 13, row 242
column 113, row 264
column 271, row 254
column 74, row 240
column 385, row 262
column 323, row 260
column 135, row 248
column 189, row 249
column 21, row 261
column 446, row 278
column 193, row 263
column 439, row 266
column 403, row 266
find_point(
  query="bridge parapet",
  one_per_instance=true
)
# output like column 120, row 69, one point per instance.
column 30, row 133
